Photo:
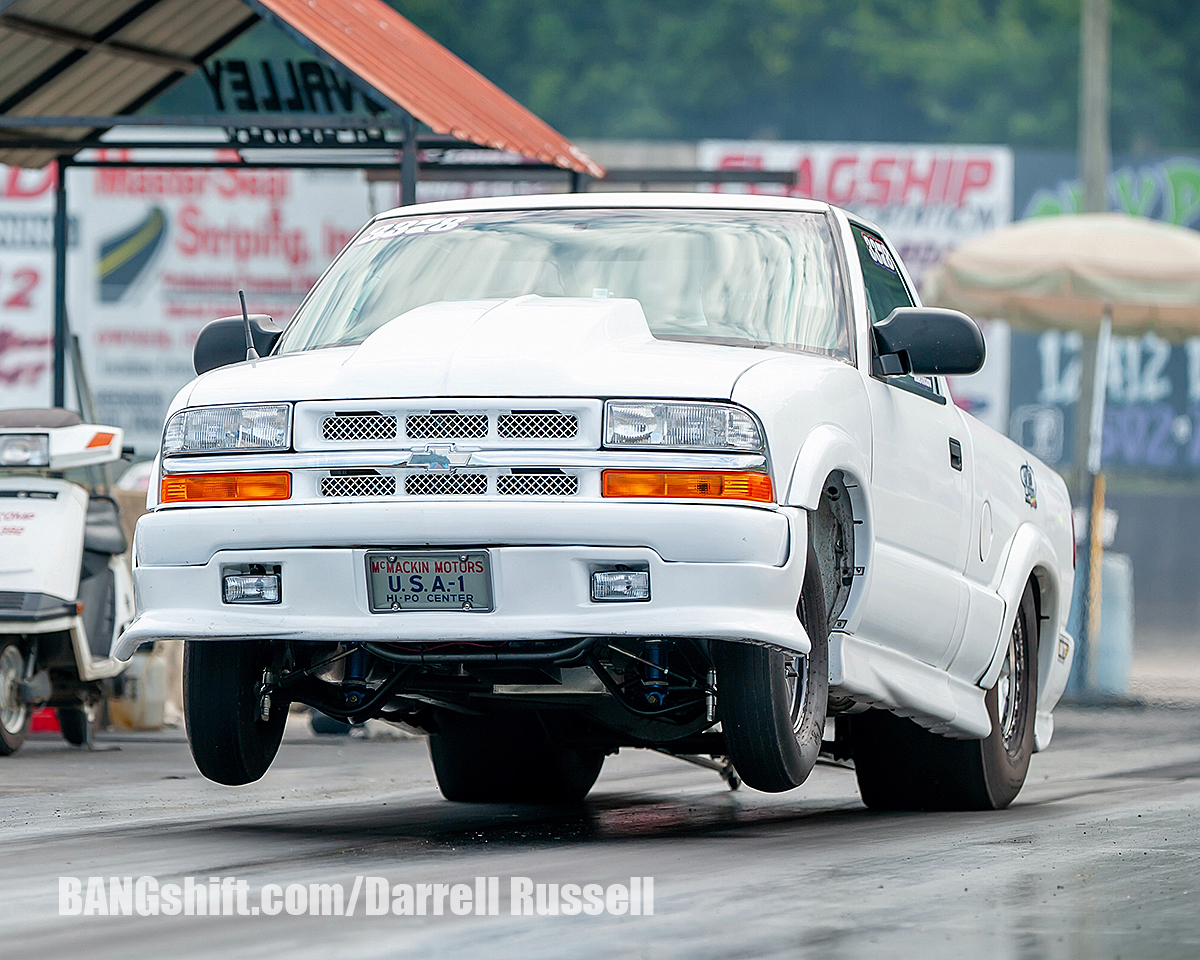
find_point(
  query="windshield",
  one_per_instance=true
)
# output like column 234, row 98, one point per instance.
column 752, row 279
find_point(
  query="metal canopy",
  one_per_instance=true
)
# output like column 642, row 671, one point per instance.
column 100, row 58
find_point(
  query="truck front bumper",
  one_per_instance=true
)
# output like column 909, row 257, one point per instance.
column 716, row 571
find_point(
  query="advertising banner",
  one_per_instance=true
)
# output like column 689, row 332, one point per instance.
column 26, row 286
column 155, row 254
column 927, row 198
column 163, row 251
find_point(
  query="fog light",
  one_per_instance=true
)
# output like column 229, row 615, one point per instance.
column 621, row 585
column 245, row 588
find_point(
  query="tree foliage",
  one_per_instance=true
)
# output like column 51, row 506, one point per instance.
column 1001, row 71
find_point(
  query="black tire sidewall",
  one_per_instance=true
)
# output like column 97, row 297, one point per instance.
column 1004, row 772
column 755, row 697
column 230, row 742
column 508, row 759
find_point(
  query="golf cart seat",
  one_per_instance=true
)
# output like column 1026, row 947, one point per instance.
column 103, row 532
column 38, row 418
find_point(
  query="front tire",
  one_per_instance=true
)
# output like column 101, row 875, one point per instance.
column 901, row 766
column 15, row 714
column 773, row 703
column 76, row 724
column 222, row 708
column 508, row 759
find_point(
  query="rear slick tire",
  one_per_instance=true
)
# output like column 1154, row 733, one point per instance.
column 901, row 766
column 222, row 690
column 508, row 759
column 773, row 703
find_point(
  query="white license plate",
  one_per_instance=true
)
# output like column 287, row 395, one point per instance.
column 424, row 580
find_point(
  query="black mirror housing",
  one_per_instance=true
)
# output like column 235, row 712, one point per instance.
column 927, row 341
column 222, row 342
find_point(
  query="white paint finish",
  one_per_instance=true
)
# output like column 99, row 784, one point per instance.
column 42, row 555
column 884, row 676
column 686, row 532
column 525, row 347
column 540, row 592
column 921, row 525
column 985, row 532
column 934, row 590
column 915, row 605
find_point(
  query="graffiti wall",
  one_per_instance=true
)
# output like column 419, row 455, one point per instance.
column 1152, row 421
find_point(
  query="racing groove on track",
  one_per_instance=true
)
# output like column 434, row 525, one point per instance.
column 1097, row 858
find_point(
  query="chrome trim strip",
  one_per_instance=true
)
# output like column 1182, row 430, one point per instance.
column 348, row 459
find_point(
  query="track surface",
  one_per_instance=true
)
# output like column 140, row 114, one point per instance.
column 1099, row 857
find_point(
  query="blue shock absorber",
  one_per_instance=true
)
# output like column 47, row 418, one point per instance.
column 655, row 679
column 354, row 681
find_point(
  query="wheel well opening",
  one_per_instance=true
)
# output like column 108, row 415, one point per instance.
column 831, row 538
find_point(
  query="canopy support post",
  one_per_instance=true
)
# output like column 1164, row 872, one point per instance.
column 1094, row 593
column 408, row 163
column 61, row 333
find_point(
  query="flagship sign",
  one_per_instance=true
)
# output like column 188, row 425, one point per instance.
column 283, row 86
column 928, row 198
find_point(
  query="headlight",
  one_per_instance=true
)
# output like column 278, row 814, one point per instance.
column 265, row 426
column 24, row 450
column 680, row 425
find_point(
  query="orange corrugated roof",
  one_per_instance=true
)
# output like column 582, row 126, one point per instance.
column 416, row 73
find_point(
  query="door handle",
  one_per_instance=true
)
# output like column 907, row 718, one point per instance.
column 955, row 454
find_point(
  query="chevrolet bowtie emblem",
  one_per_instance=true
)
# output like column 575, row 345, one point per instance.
column 439, row 458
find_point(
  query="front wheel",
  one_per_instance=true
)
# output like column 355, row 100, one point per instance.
column 901, row 766
column 77, row 723
column 773, row 703
column 14, row 712
column 223, row 707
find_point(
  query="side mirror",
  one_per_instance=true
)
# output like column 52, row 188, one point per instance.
column 223, row 341
column 927, row 341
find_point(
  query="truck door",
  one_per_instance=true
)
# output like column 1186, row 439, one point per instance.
column 920, row 486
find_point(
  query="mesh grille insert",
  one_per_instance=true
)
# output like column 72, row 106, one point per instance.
column 445, row 484
column 358, row 485
column 359, row 426
column 537, row 425
column 447, row 425
column 537, row 485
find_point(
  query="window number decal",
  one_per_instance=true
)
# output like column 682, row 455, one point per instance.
column 879, row 253
column 410, row 226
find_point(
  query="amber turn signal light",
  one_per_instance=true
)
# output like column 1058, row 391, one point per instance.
column 680, row 485
column 184, row 488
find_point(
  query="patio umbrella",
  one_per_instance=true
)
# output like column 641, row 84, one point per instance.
column 1093, row 272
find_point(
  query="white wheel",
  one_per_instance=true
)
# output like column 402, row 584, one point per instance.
column 14, row 714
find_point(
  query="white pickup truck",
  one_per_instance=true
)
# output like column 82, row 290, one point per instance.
column 551, row 476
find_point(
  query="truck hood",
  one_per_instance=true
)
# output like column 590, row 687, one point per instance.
column 527, row 346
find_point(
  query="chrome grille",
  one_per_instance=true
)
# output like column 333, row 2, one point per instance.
column 445, row 484
column 543, row 484
column 446, row 425
column 359, row 426
column 537, row 425
column 358, row 485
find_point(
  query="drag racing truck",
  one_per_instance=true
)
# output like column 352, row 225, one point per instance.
column 550, row 476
